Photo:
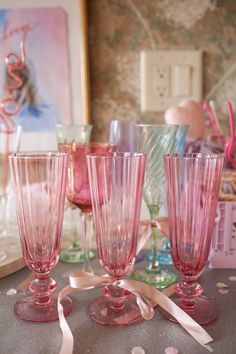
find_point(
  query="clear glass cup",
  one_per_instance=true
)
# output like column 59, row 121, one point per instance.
column 73, row 253
column 9, row 142
column 122, row 134
column 155, row 140
column 78, row 191
column 193, row 183
column 39, row 182
column 116, row 182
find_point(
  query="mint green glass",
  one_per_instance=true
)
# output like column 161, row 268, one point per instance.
column 155, row 141
column 68, row 134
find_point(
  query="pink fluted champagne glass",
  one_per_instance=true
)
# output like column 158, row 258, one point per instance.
column 78, row 191
column 193, row 182
column 39, row 182
column 122, row 133
column 116, row 182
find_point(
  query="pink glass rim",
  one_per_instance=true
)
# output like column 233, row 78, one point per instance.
column 194, row 156
column 81, row 145
column 117, row 155
column 38, row 155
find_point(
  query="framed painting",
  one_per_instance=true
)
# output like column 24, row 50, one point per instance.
column 55, row 83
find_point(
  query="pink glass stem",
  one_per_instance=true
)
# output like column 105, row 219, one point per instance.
column 115, row 295
column 188, row 289
column 42, row 287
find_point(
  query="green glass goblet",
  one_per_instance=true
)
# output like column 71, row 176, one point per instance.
column 155, row 141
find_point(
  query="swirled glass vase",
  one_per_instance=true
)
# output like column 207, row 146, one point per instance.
column 155, row 141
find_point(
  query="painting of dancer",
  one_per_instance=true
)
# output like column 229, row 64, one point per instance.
column 44, row 97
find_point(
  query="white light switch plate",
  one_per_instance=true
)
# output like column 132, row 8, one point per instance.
column 168, row 77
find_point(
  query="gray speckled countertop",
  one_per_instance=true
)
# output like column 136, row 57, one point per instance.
column 17, row 336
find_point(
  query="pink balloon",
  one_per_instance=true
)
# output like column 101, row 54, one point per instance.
column 187, row 112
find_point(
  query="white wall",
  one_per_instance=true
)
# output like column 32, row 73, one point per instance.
column 38, row 141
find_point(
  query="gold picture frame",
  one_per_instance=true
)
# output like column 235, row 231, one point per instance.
column 85, row 83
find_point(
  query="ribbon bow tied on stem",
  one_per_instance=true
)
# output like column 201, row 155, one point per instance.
column 147, row 298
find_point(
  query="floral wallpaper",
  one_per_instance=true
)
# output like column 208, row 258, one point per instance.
column 120, row 29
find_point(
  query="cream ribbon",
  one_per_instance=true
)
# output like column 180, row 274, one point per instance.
column 147, row 297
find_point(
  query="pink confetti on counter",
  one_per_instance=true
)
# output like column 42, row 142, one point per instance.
column 171, row 350
column 222, row 285
column 12, row 292
column 223, row 291
column 137, row 350
column 232, row 278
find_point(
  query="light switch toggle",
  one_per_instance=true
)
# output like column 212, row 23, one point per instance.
column 181, row 80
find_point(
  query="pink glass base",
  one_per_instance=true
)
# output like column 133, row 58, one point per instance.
column 27, row 310
column 203, row 313
column 101, row 312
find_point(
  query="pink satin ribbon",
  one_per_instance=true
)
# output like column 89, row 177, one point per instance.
column 162, row 223
column 147, row 298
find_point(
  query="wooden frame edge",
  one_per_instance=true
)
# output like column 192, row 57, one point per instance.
column 84, row 55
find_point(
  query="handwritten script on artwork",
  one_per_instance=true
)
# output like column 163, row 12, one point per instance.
column 9, row 32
